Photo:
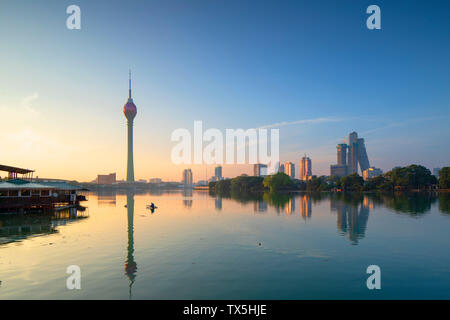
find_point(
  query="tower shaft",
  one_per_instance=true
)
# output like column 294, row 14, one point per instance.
column 130, row 162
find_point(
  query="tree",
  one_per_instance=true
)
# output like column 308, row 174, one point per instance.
column 247, row 184
column 411, row 177
column 277, row 182
column 352, row 182
column 318, row 184
column 444, row 178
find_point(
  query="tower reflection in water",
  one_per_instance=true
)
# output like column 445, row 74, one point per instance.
column 130, row 264
column 352, row 216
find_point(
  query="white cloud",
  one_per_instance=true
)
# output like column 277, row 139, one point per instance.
column 303, row 121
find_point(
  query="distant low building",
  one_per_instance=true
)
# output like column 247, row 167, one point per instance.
column 372, row 172
column 259, row 170
column 106, row 178
column 155, row 180
column 436, row 172
column 338, row 170
column 202, row 183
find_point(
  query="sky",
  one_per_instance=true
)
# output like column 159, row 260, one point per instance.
column 310, row 68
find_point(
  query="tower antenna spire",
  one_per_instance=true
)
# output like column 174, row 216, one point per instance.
column 129, row 84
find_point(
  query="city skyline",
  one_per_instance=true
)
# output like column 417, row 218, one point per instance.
column 61, row 96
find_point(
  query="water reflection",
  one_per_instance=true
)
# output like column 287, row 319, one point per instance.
column 130, row 264
column 352, row 215
column 106, row 197
column 413, row 204
column 444, row 203
column 16, row 228
column 305, row 206
column 259, row 206
column 218, row 203
column 187, row 195
column 352, row 209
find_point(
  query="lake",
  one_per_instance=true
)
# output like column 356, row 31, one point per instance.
column 198, row 246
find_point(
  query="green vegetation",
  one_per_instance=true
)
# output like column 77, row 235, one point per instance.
column 278, row 182
column 412, row 177
column 240, row 185
column 444, row 178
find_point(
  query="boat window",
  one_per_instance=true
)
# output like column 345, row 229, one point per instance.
column 3, row 193
column 35, row 192
column 13, row 193
column 25, row 193
column 45, row 193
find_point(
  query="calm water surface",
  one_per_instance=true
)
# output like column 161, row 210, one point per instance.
column 196, row 246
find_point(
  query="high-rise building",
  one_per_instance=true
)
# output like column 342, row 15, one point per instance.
column 338, row 170
column 352, row 153
column 357, row 154
column 363, row 159
column 187, row 177
column 371, row 172
column 129, row 110
column 305, row 169
column 289, row 169
column 342, row 154
column 259, row 170
column 281, row 168
column 218, row 173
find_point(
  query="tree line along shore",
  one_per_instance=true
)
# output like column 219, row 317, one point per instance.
column 409, row 178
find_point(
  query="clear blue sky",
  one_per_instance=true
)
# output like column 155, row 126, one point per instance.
column 231, row 64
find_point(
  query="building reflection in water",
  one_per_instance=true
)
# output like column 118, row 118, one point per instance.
column 352, row 217
column 130, row 264
column 187, row 194
column 218, row 203
column 106, row 198
column 15, row 228
column 305, row 206
column 259, row 206
column 290, row 206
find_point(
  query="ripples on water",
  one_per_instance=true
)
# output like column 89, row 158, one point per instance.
column 303, row 246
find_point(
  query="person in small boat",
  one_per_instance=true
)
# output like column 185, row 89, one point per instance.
column 152, row 206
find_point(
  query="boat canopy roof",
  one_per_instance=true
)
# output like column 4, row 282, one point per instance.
column 14, row 186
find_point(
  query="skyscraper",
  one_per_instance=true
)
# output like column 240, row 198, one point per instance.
column 342, row 154
column 349, row 156
column 289, row 169
column 352, row 153
column 305, row 169
column 187, row 178
column 129, row 110
column 218, row 173
column 363, row 159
